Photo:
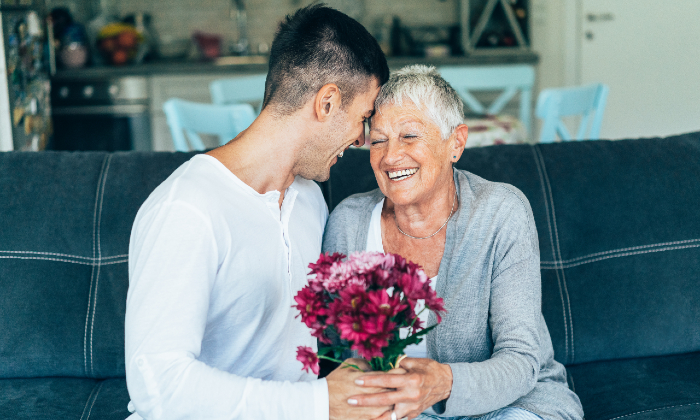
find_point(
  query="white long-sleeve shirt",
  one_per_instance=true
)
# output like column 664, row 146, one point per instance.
column 213, row 269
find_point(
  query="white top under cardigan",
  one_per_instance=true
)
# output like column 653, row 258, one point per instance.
column 374, row 244
column 210, row 328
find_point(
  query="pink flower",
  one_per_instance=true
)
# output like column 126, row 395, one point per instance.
column 322, row 269
column 308, row 359
column 367, row 262
column 340, row 275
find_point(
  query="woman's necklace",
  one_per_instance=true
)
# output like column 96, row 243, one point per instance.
column 436, row 232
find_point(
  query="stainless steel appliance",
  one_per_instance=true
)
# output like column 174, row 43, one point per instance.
column 101, row 114
column 25, row 113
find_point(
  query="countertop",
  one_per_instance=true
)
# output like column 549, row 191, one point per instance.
column 258, row 64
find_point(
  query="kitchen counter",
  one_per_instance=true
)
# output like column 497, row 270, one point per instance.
column 258, row 64
column 161, row 80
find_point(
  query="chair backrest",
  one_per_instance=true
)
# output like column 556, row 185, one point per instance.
column 587, row 101
column 246, row 89
column 192, row 118
column 508, row 79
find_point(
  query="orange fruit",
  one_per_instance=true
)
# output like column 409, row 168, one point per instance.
column 127, row 39
column 119, row 57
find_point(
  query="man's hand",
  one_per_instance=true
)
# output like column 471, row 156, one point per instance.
column 342, row 386
column 425, row 383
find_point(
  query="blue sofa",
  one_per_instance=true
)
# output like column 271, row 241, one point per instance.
column 619, row 238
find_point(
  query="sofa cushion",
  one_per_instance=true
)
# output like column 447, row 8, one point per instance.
column 666, row 387
column 618, row 232
column 65, row 227
column 63, row 398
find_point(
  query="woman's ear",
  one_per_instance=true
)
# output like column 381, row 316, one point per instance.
column 459, row 141
column 327, row 101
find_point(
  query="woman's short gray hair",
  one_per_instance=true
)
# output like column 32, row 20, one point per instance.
column 424, row 86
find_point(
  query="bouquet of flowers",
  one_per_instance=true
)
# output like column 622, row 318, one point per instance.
column 364, row 301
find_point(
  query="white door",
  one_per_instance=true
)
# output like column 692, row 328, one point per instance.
column 648, row 52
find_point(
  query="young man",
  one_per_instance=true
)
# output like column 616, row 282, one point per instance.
column 220, row 248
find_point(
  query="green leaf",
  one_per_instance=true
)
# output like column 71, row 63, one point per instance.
column 396, row 348
column 343, row 364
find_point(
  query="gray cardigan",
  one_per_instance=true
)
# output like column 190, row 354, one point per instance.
column 493, row 336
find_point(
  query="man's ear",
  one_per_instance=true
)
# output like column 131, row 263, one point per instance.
column 458, row 141
column 327, row 101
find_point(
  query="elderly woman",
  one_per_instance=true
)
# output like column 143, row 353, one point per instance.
column 492, row 354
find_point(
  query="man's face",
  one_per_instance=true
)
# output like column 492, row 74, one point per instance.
column 347, row 127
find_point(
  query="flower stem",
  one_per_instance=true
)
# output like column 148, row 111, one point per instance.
column 346, row 365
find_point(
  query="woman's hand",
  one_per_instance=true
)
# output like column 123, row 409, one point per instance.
column 425, row 383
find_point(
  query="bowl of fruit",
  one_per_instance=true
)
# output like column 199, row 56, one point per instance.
column 119, row 43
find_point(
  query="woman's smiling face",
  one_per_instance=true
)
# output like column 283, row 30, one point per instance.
column 410, row 159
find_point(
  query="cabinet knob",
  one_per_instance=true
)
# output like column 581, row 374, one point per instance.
column 88, row 91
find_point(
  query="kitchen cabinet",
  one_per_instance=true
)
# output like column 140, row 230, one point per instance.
column 489, row 25
column 190, row 80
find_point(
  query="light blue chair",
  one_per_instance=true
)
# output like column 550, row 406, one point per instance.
column 587, row 101
column 508, row 79
column 189, row 119
column 245, row 89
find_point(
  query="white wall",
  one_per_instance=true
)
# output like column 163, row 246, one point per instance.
column 649, row 55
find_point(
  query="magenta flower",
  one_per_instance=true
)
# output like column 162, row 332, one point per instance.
column 352, row 328
column 308, row 359
column 380, row 303
column 351, row 299
column 368, row 350
column 310, row 305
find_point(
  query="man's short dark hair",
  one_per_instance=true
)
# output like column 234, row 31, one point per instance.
column 315, row 46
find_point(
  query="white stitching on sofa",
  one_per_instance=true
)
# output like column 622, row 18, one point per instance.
column 63, row 255
column 653, row 409
column 115, row 262
column 97, row 387
column 625, row 254
column 538, row 164
column 564, row 262
column 556, row 236
column 13, row 257
column 92, row 274
column 99, row 256
column 94, row 399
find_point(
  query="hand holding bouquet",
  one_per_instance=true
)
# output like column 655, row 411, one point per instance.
column 364, row 301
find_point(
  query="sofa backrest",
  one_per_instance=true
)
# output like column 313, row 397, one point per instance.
column 619, row 232
column 65, row 221
column 617, row 222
